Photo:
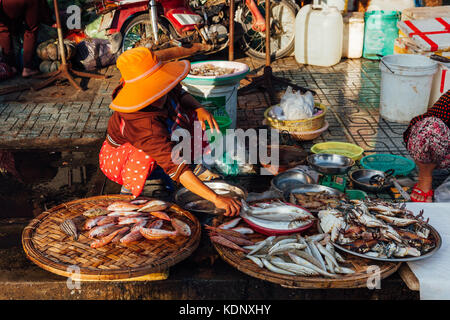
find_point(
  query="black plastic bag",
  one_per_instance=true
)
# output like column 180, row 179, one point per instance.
column 95, row 54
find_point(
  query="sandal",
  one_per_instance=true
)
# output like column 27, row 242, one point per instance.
column 422, row 193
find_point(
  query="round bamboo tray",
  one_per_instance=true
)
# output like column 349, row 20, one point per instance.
column 51, row 249
column 359, row 279
column 310, row 124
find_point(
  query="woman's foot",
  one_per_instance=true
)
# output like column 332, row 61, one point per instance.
column 422, row 191
column 422, row 194
column 26, row 73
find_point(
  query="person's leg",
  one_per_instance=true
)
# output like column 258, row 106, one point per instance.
column 425, row 180
column 32, row 22
column 5, row 38
column 428, row 145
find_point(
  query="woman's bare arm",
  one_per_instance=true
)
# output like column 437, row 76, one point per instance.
column 194, row 184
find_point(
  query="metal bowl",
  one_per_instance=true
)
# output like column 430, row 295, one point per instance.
column 290, row 179
column 361, row 178
column 184, row 197
column 310, row 188
column 332, row 164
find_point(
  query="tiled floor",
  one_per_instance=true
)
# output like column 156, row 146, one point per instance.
column 351, row 90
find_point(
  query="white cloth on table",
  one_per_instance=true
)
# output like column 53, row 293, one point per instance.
column 434, row 273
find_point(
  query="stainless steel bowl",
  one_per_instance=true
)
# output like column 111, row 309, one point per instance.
column 310, row 188
column 184, row 198
column 361, row 179
column 290, row 179
column 332, row 164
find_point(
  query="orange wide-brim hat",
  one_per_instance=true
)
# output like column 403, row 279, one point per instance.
column 145, row 79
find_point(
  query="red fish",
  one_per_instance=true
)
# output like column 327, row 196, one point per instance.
column 107, row 239
column 155, row 234
column 124, row 213
column 181, row 227
column 106, row 220
column 122, row 206
column 126, row 220
column 157, row 224
column 119, row 236
column 160, row 215
column 92, row 222
column 155, row 205
column 134, row 234
column 227, row 243
column 101, row 231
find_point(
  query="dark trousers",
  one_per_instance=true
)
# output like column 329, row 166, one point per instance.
column 13, row 12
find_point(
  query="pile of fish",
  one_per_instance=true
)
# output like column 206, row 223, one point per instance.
column 126, row 222
column 231, row 236
column 276, row 215
column 208, row 70
column 297, row 256
column 315, row 201
column 377, row 229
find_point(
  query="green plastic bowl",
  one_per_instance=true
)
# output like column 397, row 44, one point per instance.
column 383, row 161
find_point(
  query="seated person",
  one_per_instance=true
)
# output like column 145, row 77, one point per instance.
column 427, row 139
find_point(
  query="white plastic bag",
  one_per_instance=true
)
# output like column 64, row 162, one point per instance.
column 297, row 106
column 442, row 193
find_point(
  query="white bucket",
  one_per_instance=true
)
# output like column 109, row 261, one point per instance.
column 216, row 97
column 405, row 86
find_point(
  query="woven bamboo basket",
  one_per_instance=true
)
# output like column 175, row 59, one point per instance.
column 51, row 249
column 310, row 124
column 358, row 279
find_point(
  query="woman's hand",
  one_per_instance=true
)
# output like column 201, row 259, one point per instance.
column 203, row 115
column 230, row 205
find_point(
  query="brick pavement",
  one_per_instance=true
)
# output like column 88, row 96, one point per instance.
column 58, row 117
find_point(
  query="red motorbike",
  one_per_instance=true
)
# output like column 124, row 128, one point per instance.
column 162, row 24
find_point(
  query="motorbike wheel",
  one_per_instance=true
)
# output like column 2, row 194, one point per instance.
column 138, row 30
column 282, row 31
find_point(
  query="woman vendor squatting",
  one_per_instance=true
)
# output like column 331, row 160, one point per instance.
column 149, row 104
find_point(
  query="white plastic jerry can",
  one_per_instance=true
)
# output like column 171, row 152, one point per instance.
column 318, row 35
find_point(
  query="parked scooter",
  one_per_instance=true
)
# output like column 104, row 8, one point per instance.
column 202, row 26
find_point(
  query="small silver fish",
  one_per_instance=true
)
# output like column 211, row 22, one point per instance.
column 295, row 268
column 230, row 224
column 275, row 269
column 243, row 230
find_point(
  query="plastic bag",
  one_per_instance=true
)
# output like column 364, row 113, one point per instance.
column 297, row 106
column 442, row 193
column 93, row 29
column 95, row 53
column 232, row 161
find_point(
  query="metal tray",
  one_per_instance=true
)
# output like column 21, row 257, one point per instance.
column 310, row 188
column 289, row 180
column 183, row 196
column 330, row 164
column 426, row 255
